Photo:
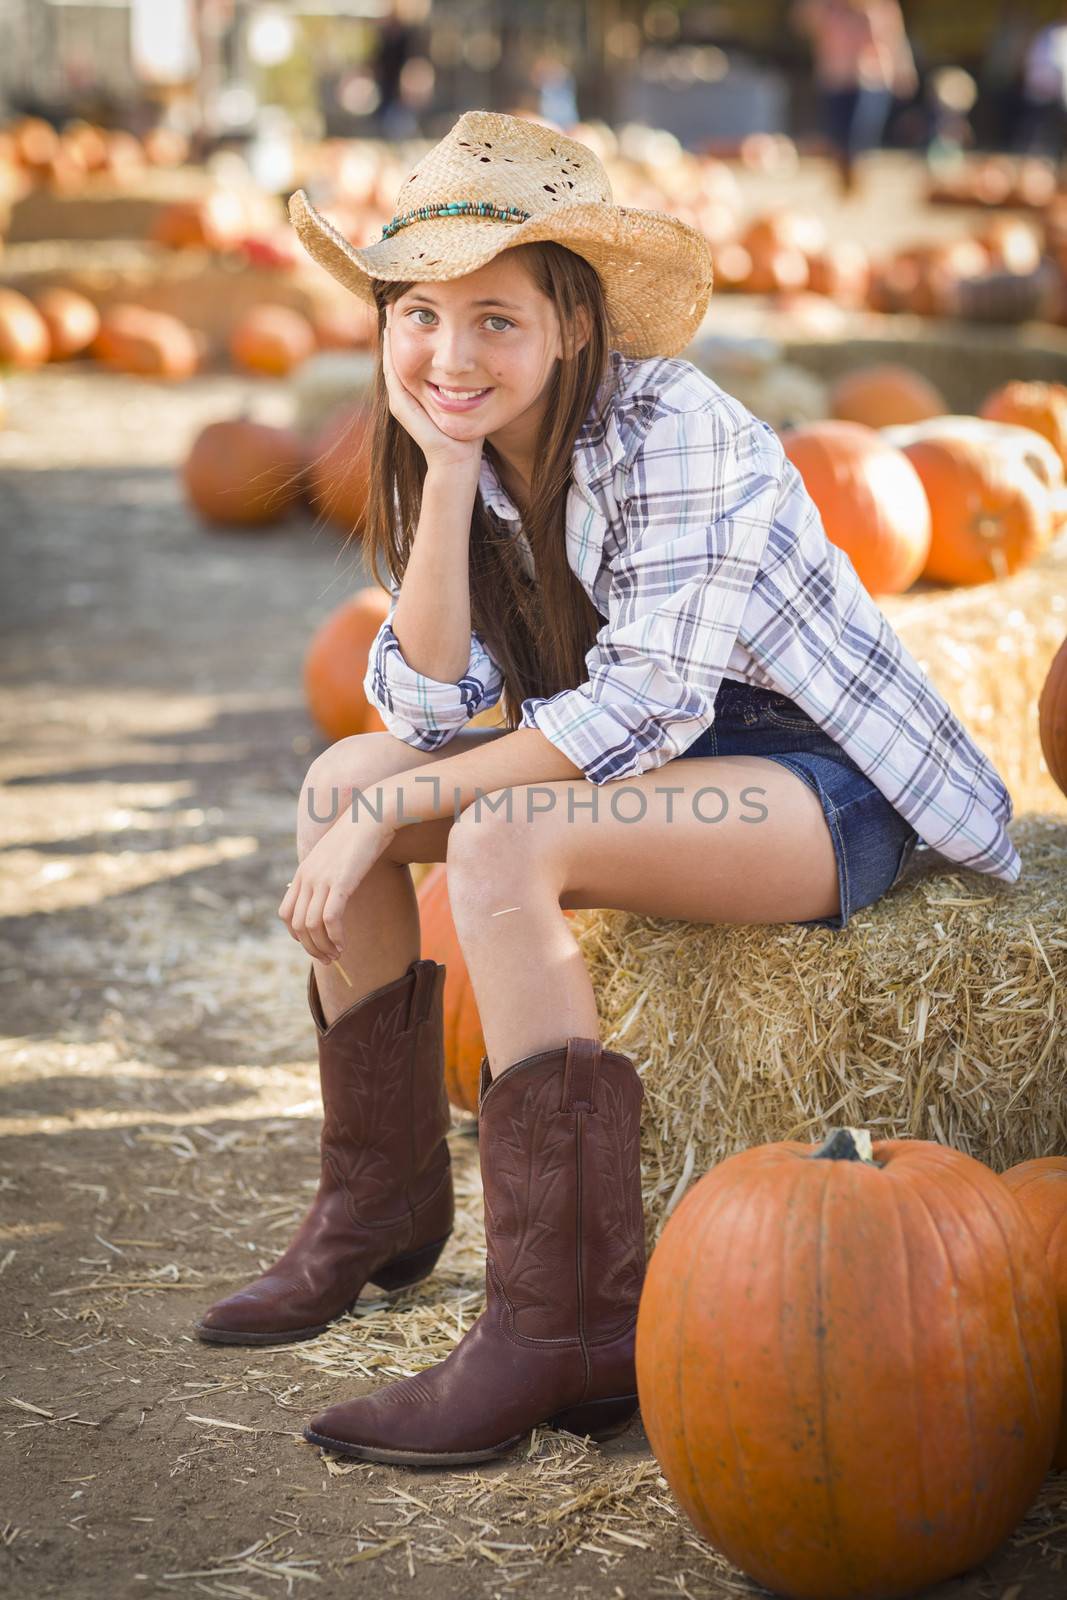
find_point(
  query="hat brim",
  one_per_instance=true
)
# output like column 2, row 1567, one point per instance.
column 656, row 269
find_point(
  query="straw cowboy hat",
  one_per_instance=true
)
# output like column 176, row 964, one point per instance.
column 494, row 182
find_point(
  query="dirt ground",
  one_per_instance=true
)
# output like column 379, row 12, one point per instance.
column 158, row 1097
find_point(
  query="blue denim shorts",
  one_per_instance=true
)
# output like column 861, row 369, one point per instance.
column 872, row 841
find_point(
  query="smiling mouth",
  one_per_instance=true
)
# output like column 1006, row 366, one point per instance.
column 475, row 394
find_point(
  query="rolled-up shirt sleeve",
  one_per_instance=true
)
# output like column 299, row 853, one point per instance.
column 426, row 712
column 700, row 499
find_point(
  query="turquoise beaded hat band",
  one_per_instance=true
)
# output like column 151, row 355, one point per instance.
column 495, row 182
column 455, row 208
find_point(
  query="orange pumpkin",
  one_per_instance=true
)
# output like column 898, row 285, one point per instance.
column 36, row 142
column 1011, row 244
column 989, row 515
column 784, row 230
column 336, row 664
column 166, row 147
column 999, row 438
column 1040, row 1187
column 869, row 497
column 339, row 468
column 849, row 1365
column 353, row 327
column 24, row 340
column 243, row 473
column 776, row 269
column 842, row 271
column 1052, row 718
column 147, row 344
column 731, row 264
column 883, row 395
column 216, row 222
column 272, row 339
column 88, row 141
column 73, row 322
column 1041, row 406
column 125, row 155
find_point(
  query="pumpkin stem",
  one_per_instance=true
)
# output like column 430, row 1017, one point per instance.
column 847, row 1144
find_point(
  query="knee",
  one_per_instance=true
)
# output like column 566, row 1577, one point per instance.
column 492, row 851
column 351, row 764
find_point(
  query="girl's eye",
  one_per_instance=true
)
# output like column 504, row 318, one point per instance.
column 418, row 311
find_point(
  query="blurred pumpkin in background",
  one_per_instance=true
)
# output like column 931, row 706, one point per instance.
column 272, row 340
column 336, row 664
column 884, row 394
column 243, row 473
column 24, row 340
column 72, row 320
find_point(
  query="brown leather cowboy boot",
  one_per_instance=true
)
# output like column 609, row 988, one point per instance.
column 384, row 1206
column 559, row 1142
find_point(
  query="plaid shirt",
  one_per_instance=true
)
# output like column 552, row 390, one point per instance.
column 694, row 536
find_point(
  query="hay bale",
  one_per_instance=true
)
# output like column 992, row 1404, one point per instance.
column 988, row 650
column 937, row 1014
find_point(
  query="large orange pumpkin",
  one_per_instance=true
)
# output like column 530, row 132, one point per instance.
column 850, row 1369
column 243, row 473
column 883, row 395
column 869, row 497
column 272, row 339
column 1041, row 1189
column 1052, row 717
column 73, row 322
column 1041, row 406
column 336, row 664
column 339, row 467
column 24, row 340
column 989, row 515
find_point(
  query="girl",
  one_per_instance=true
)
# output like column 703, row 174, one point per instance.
column 707, row 719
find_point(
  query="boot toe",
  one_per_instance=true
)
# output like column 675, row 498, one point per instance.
column 354, row 1426
column 252, row 1317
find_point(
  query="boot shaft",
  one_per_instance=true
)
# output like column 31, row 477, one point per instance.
column 560, row 1133
column 385, row 1107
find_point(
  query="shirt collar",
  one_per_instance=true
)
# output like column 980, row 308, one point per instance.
column 494, row 495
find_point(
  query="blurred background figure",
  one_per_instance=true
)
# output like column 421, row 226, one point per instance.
column 555, row 84
column 862, row 61
column 1044, row 91
column 395, row 45
column 1000, row 76
column 951, row 94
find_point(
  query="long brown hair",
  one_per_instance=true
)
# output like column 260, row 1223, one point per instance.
column 538, row 631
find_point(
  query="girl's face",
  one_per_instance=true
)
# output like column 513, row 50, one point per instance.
column 490, row 330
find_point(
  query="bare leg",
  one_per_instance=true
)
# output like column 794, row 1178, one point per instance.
column 381, row 919
column 509, row 882
column 385, row 902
